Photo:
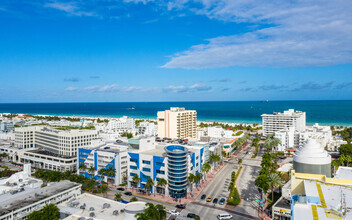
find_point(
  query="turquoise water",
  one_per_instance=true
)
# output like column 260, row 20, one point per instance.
column 322, row 112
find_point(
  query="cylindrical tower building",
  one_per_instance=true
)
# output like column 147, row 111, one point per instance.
column 177, row 170
column 312, row 158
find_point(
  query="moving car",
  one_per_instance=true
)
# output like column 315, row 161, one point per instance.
column 203, row 196
column 209, row 199
column 224, row 216
column 128, row 193
column 173, row 212
column 222, row 201
column 121, row 189
column 215, row 200
column 192, row 215
column 180, row 206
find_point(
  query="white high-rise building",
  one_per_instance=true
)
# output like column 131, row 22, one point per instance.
column 59, row 142
column 279, row 121
column 177, row 123
column 123, row 124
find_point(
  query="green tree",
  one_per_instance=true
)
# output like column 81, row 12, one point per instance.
column 191, row 179
column 82, row 167
column 133, row 199
column 262, row 182
column 152, row 212
column 91, row 170
column 49, row 211
column 345, row 149
column 274, row 182
column 149, row 184
column 104, row 188
column 162, row 183
column 118, row 196
column 101, row 172
column 198, row 178
column 136, row 179
column 110, row 172
column 206, row 168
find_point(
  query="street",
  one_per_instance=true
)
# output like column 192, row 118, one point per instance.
column 218, row 188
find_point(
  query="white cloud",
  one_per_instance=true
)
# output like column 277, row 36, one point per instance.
column 297, row 34
column 185, row 89
column 71, row 88
column 71, row 8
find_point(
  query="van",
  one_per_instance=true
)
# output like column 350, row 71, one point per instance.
column 224, row 216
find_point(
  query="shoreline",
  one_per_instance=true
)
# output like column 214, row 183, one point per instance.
column 223, row 121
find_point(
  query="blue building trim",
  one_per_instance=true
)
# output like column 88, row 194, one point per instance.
column 157, row 160
column 96, row 160
column 134, row 156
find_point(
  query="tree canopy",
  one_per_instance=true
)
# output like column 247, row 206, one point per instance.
column 50, row 211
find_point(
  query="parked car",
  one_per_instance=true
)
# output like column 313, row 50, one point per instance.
column 209, row 199
column 224, row 216
column 215, row 200
column 203, row 196
column 180, row 206
column 173, row 212
column 192, row 215
column 121, row 189
column 128, row 193
column 222, row 201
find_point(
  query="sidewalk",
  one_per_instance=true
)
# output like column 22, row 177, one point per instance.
column 191, row 196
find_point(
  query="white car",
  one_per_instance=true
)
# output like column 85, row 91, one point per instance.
column 173, row 212
column 224, row 216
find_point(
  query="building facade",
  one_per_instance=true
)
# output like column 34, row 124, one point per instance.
column 279, row 121
column 177, row 123
column 103, row 158
column 173, row 163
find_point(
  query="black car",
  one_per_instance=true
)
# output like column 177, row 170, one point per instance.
column 215, row 200
column 222, row 201
column 203, row 196
column 121, row 189
column 128, row 193
column 180, row 206
column 192, row 215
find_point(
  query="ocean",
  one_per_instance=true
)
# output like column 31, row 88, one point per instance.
column 322, row 112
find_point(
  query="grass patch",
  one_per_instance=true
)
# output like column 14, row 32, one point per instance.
column 234, row 197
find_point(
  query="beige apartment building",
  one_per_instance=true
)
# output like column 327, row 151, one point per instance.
column 177, row 123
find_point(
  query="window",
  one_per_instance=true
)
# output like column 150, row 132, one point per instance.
column 133, row 160
column 160, row 171
column 146, row 177
column 146, row 169
column 159, row 164
column 133, row 167
column 132, row 174
column 146, row 162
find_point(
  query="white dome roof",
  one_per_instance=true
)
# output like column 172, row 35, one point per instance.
column 311, row 152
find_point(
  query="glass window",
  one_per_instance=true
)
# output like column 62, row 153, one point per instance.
column 146, row 162
column 146, row 169
column 133, row 167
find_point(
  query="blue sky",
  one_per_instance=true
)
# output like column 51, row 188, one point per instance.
column 176, row 50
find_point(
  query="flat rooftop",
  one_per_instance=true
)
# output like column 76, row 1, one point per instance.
column 344, row 173
column 324, row 201
column 158, row 151
column 72, row 208
column 11, row 202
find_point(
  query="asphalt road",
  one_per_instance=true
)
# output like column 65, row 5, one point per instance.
column 218, row 189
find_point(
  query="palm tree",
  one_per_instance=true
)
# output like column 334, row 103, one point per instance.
column 206, row 168
column 191, row 179
column 133, row 199
column 348, row 159
column 262, row 182
column 110, row 172
column 149, row 184
column 101, row 172
column 118, row 196
column 104, row 189
column 152, row 213
column 91, row 170
column 136, row 179
column 198, row 178
column 162, row 183
column 223, row 153
column 274, row 182
column 82, row 167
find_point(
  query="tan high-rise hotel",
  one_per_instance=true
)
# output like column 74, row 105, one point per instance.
column 177, row 123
